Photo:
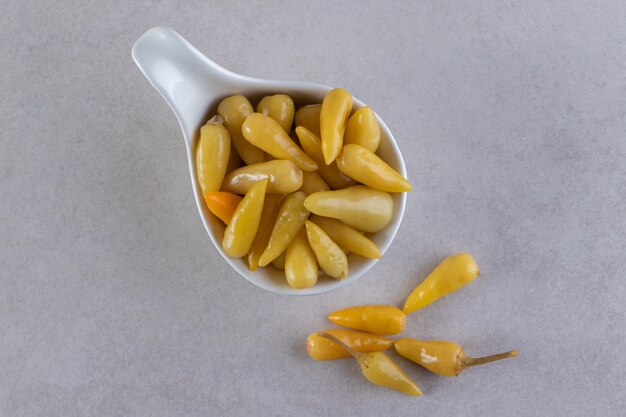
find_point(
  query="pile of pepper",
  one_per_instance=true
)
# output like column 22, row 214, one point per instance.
column 309, row 194
column 374, row 322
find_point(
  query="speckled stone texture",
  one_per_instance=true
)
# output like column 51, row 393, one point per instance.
column 512, row 117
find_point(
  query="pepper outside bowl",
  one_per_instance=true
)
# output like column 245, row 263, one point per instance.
column 193, row 85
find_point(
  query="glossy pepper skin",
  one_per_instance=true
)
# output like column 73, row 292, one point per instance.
column 348, row 238
column 378, row 319
column 234, row 110
column 300, row 262
column 212, row 154
column 379, row 369
column 266, row 134
column 361, row 207
column 279, row 107
column 268, row 218
column 309, row 117
column 222, row 204
column 312, row 145
column 322, row 349
column 329, row 255
column 443, row 358
column 240, row 233
column 362, row 165
column 283, row 177
column 334, row 114
column 312, row 182
column 290, row 219
column 453, row 273
column 363, row 129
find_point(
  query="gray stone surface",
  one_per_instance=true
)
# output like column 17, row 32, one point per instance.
column 512, row 116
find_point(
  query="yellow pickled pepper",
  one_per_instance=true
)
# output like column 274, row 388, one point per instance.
column 330, row 257
column 322, row 349
column 312, row 182
column 283, row 177
column 379, row 369
column 451, row 274
column 291, row 217
column 279, row 107
column 212, row 154
column 364, row 166
column 268, row 217
column 443, row 358
column 334, row 113
column 312, row 145
column 234, row 110
column 348, row 238
column 363, row 129
column 309, row 117
column 266, row 134
column 300, row 263
column 241, row 230
column 361, row 207
column 378, row 319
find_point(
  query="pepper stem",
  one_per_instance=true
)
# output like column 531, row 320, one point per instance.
column 215, row 120
column 487, row 359
column 351, row 351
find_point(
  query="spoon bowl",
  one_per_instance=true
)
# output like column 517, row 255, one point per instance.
column 193, row 85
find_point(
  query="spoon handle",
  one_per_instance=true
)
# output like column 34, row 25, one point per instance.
column 187, row 80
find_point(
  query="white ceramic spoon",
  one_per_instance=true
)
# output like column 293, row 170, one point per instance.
column 193, row 85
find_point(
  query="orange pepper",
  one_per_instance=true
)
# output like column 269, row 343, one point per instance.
column 222, row 204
